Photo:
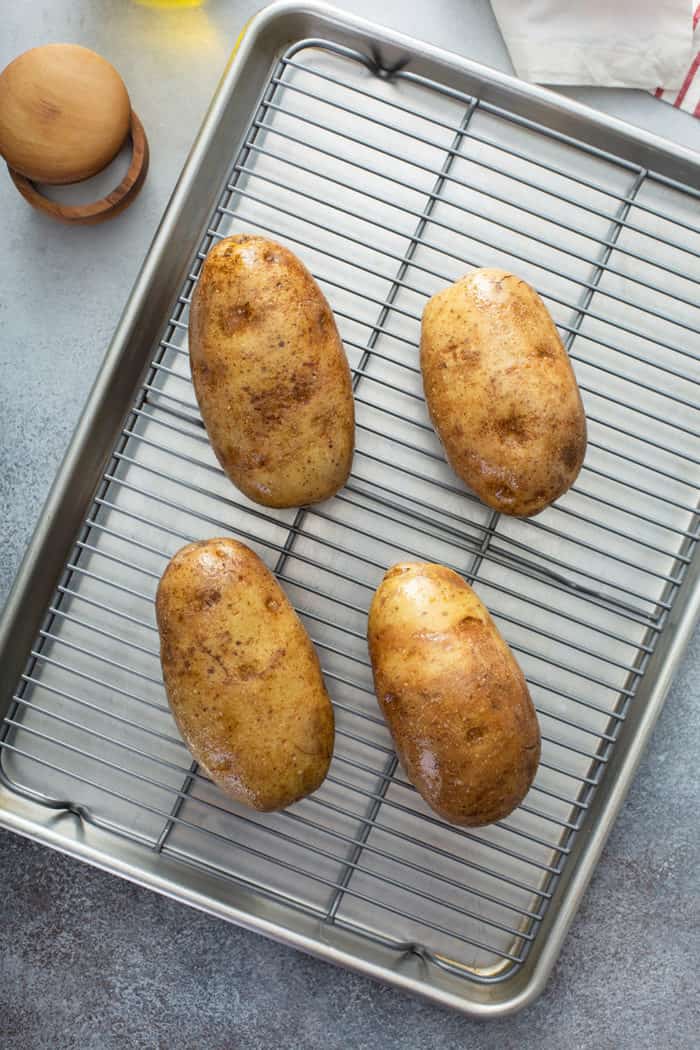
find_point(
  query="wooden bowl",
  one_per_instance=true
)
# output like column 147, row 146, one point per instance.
column 64, row 115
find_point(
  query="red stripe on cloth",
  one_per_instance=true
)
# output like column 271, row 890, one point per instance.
column 696, row 16
column 696, row 111
column 689, row 77
column 659, row 92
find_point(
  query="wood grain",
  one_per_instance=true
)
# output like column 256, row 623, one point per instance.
column 64, row 113
column 105, row 208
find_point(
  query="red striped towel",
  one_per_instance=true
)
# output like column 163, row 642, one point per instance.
column 688, row 97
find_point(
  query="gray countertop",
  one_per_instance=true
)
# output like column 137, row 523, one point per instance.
column 88, row 960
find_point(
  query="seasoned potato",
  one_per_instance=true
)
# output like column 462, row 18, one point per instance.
column 453, row 695
column 270, row 374
column 242, row 676
column 501, row 392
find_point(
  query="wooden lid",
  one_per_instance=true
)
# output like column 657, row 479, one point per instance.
column 64, row 113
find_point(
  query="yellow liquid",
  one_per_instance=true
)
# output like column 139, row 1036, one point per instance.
column 170, row 4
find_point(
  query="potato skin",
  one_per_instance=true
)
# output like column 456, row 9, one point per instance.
column 242, row 676
column 455, row 700
column 501, row 392
column 270, row 374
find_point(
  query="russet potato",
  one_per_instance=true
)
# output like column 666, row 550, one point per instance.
column 242, row 676
column 455, row 700
column 270, row 374
column 501, row 392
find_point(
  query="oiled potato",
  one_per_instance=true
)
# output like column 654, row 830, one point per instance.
column 501, row 392
column 454, row 698
column 242, row 676
column 270, row 374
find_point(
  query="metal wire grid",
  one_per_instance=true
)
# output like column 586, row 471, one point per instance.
column 390, row 187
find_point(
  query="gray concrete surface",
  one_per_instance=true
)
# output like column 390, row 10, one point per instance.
column 89, row 961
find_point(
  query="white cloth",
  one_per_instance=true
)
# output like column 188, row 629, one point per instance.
column 615, row 43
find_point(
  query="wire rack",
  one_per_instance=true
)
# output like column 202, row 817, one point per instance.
column 390, row 186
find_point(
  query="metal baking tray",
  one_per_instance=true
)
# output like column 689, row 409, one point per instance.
column 391, row 168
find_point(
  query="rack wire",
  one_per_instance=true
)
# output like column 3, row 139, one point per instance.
column 389, row 187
